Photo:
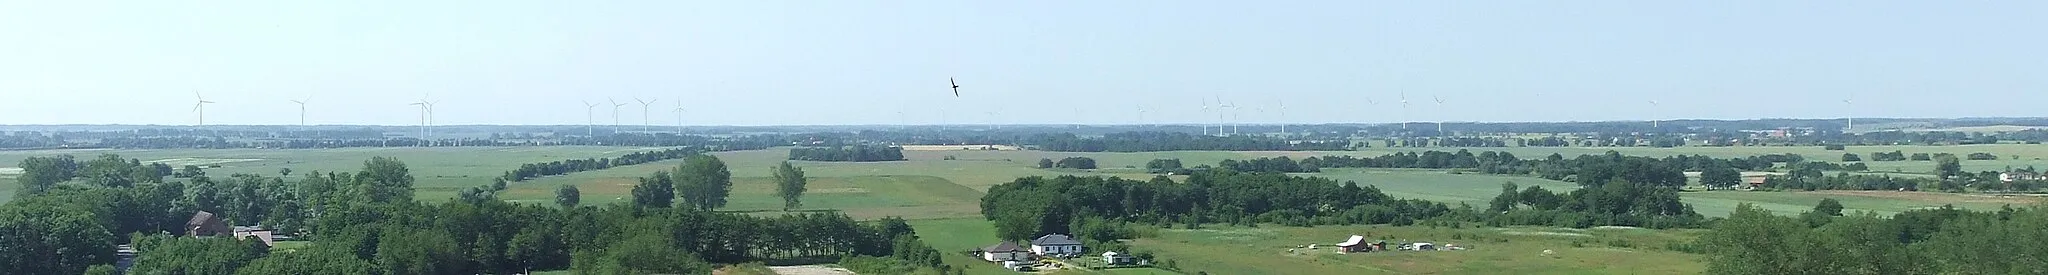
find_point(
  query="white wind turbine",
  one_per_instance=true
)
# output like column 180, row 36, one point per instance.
column 1141, row 114
column 1851, row 102
column 1283, row 116
column 423, row 119
column 302, row 109
column 615, row 114
column 644, row 122
column 1653, row 114
column 1205, row 110
column 589, row 119
column 1439, row 109
column 679, row 117
column 200, row 107
column 1404, row 110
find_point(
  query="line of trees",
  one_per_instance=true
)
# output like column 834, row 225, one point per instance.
column 1175, row 141
column 561, row 167
column 1032, row 206
column 855, row 153
column 1925, row 241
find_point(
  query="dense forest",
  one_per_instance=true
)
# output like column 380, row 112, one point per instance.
column 855, row 153
column 367, row 222
column 1167, row 141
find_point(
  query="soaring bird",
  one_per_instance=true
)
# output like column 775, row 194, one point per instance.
column 956, row 86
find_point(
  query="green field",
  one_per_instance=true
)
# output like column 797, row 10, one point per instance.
column 2033, row 155
column 1517, row 250
column 439, row 172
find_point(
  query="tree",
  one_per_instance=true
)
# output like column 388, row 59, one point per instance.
column 1948, row 167
column 1044, row 163
column 1506, row 200
column 40, row 174
column 1720, row 176
column 789, row 182
column 567, row 196
column 658, row 191
column 703, row 182
column 1851, row 157
column 1828, row 206
column 383, row 180
column 284, row 172
column 45, row 236
column 643, row 254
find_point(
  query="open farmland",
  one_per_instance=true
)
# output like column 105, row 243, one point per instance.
column 438, row 171
column 1511, row 250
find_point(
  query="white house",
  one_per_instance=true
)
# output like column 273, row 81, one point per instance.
column 1003, row 252
column 1055, row 244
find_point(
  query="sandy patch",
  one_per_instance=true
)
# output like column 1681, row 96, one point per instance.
column 810, row 270
column 198, row 161
column 1933, row 197
column 10, row 171
column 959, row 147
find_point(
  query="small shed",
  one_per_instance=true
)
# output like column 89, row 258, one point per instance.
column 1114, row 258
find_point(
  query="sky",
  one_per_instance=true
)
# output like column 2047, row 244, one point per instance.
column 1092, row 62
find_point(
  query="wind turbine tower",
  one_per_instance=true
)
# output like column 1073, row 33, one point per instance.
column 679, row 117
column 1653, row 114
column 200, row 107
column 589, row 119
column 423, row 120
column 1283, row 117
column 644, row 122
column 615, row 114
column 1439, row 120
column 1404, row 110
column 302, row 109
column 1851, row 102
column 1205, row 110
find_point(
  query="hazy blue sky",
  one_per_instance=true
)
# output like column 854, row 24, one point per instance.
column 861, row 62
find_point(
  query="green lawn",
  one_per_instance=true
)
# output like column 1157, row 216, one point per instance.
column 1518, row 250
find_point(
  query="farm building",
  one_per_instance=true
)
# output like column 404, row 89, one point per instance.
column 2020, row 176
column 1005, row 251
column 206, row 224
column 1355, row 244
column 1055, row 244
column 1114, row 258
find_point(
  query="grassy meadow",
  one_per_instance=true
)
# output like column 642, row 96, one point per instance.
column 1512, row 250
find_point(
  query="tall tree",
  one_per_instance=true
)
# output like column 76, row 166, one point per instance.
column 703, row 182
column 383, row 180
column 658, row 191
column 789, row 182
column 39, row 174
column 567, row 196
column 1948, row 167
column 1720, row 176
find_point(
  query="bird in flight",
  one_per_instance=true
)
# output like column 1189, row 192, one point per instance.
column 956, row 86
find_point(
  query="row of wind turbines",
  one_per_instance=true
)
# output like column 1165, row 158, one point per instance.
column 426, row 113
